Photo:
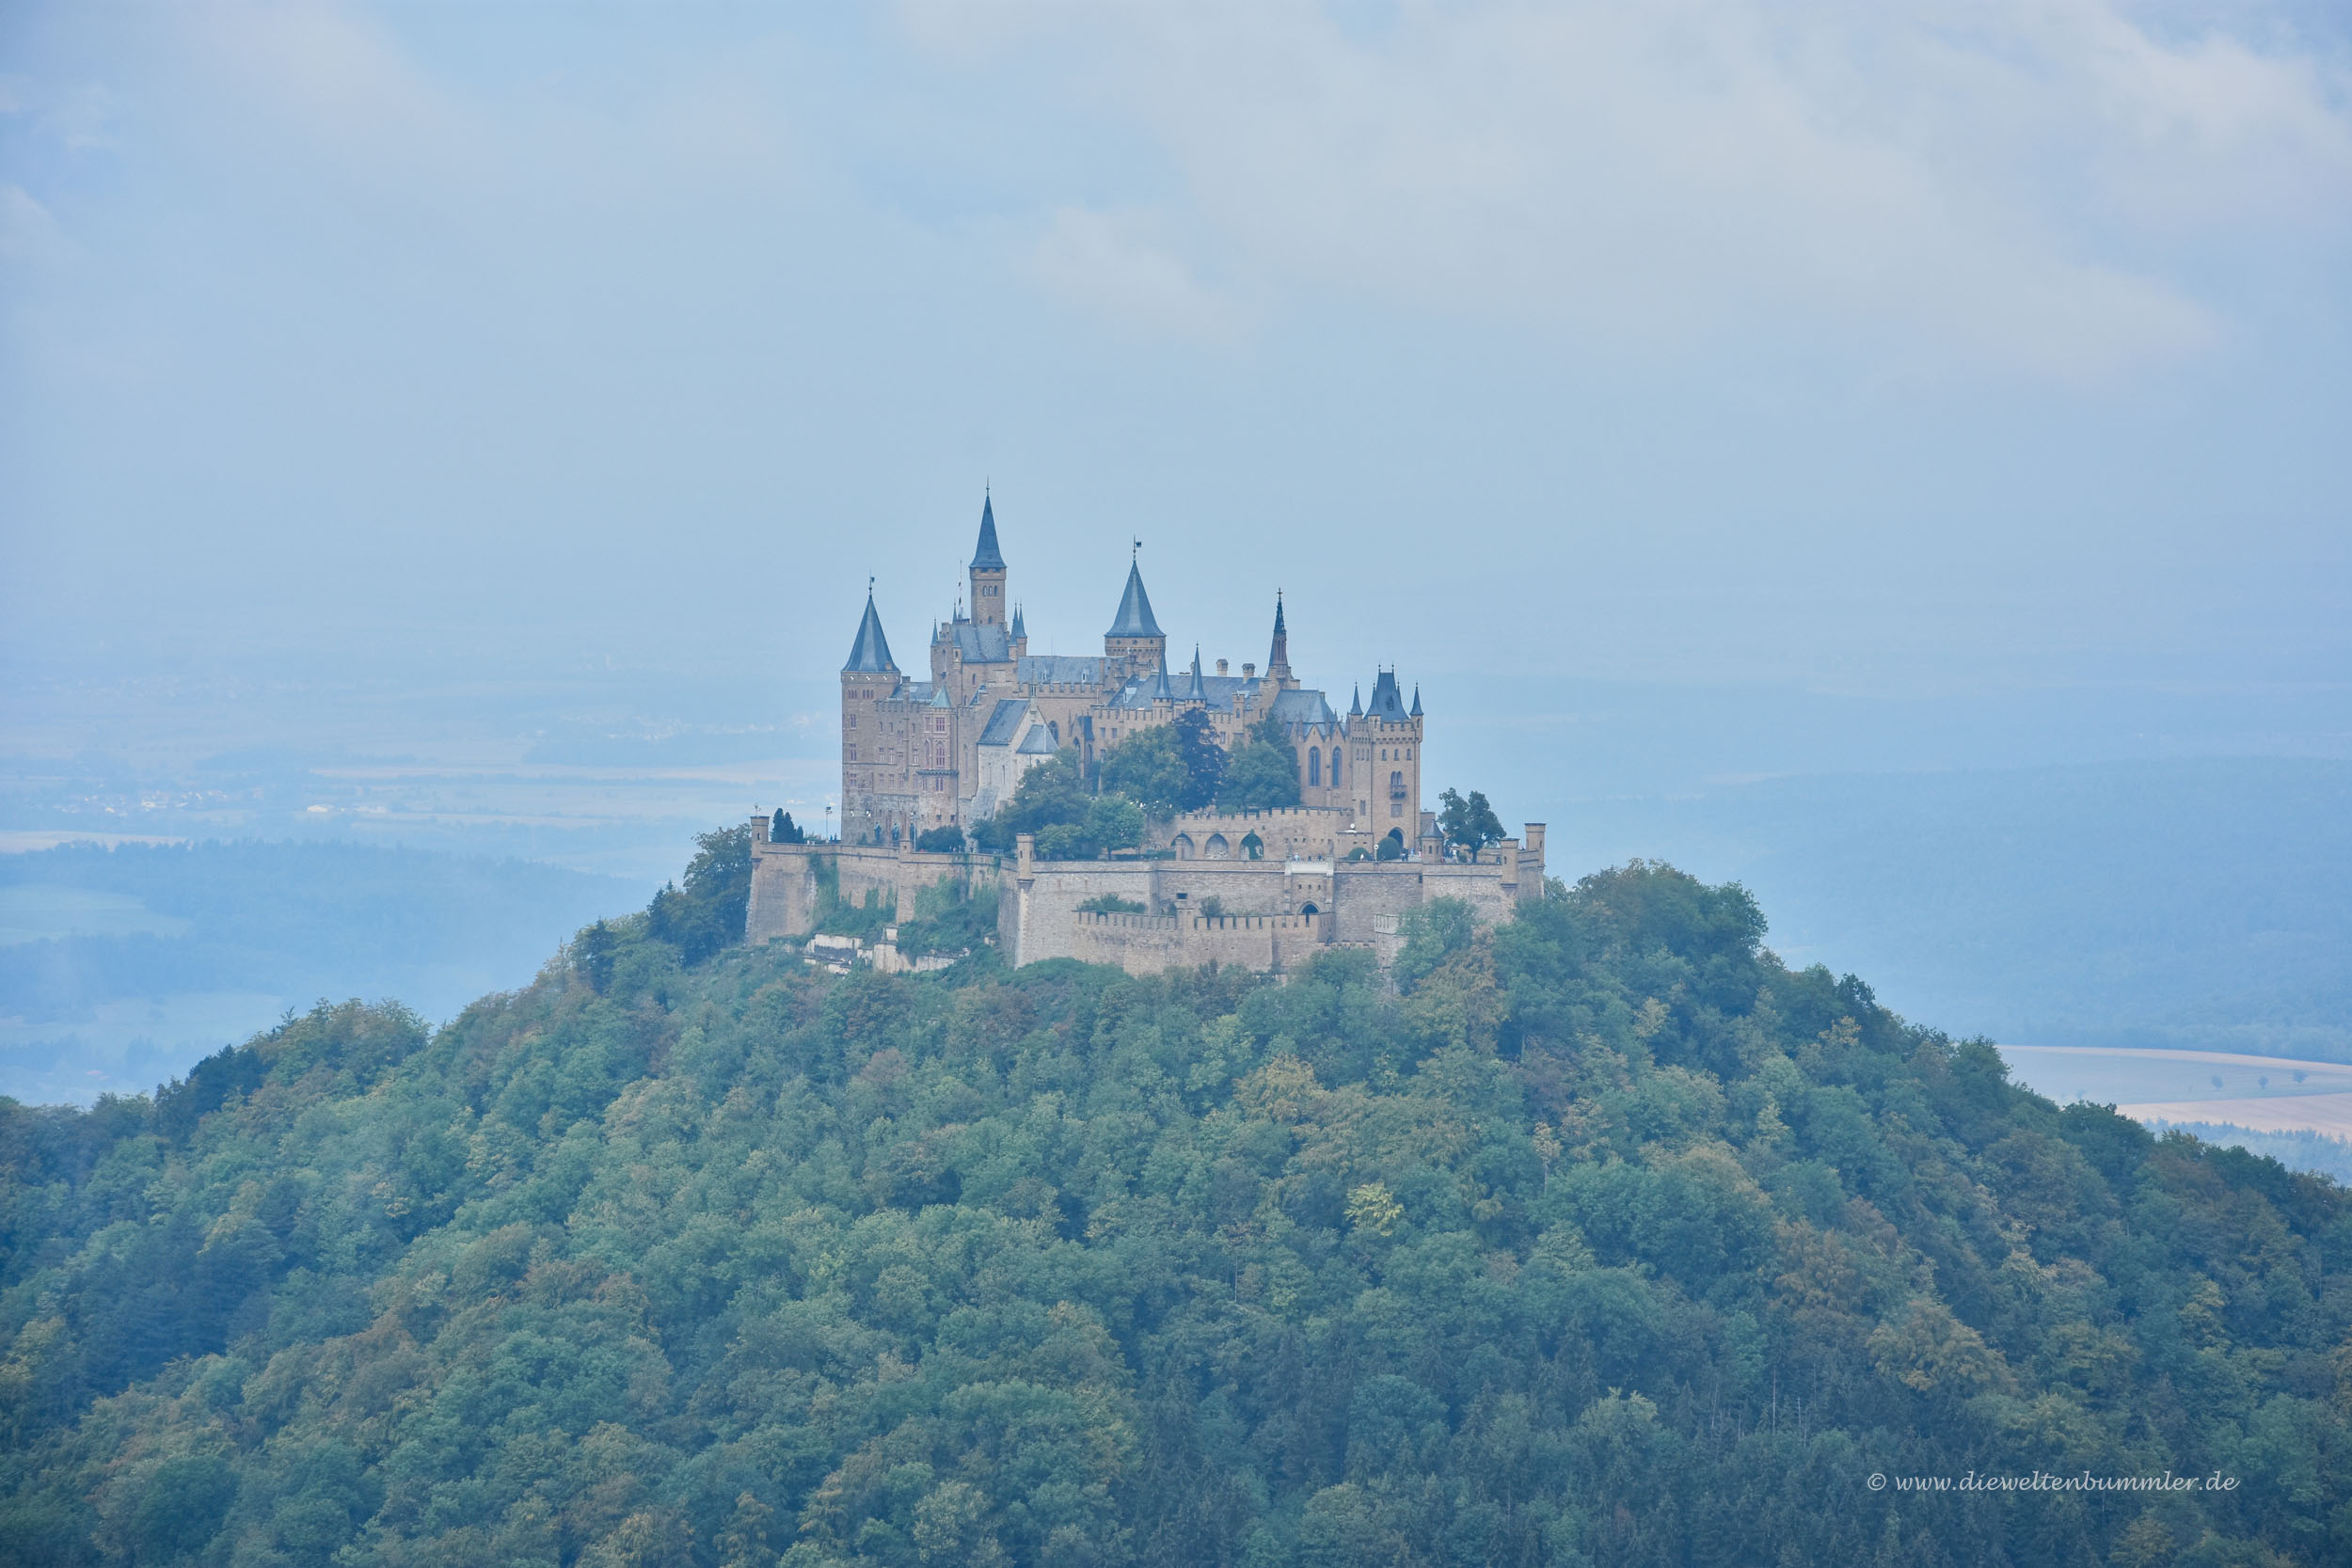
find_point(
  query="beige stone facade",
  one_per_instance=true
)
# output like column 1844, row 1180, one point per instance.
column 1267, row 914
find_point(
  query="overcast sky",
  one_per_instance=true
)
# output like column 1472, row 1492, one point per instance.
column 1903, row 347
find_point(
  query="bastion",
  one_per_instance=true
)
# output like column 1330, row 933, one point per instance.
column 1151, row 914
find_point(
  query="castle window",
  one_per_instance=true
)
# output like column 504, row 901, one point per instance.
column 1396, row 788
column 1314, row 765
column 852, row 751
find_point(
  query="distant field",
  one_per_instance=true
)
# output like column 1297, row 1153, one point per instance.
column 2121, row 1076
column 2297, row 1112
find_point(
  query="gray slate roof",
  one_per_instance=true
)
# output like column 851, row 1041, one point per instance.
column 1039, row 743
column 1303, row 708
column 1005, row 722
column 980, row 644
column 1058, row 669
column 1134, row 610
column 988, row 558
column 870, row 652
column 1387, row 701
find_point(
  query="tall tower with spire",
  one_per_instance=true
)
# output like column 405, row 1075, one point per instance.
column 1134, row 635
column 1277, row 662
column 871, row 755
column 987, row 570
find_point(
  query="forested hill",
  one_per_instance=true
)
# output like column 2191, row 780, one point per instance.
column 1609, row 1240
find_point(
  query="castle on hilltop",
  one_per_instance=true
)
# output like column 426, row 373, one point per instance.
column 1265, row 890
column 917, row 755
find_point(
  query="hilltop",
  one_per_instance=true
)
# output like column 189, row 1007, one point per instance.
column 1600, row 1237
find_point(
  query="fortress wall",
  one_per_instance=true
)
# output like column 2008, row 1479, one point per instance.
column 1358, row 902
column 784, row 881
column 784, row 891
column 1147, row 944
column 1037, row 915
column 1304, row 831
column 1367, row 892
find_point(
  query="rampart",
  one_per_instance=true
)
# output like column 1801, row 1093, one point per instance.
column 1263, row 914
column 786, row 878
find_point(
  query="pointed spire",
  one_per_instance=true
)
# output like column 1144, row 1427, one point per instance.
column 988, row 558
column 870, row 652
column 1417, row 699
column 1161, row 690
column 1019, row 631
column 1197, row 692
column 1134, row 610
column 1355, row 704
column 1277, row 662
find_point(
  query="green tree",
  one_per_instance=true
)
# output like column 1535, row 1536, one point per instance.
column 707, row 913
column 783, row 829
column 1050, row 794
column 1471, row 825
column 593, row 953
column 1262, row 773
column 1612, row 1240
column 1148, row 768
column 947, row 839
column 1203, row 759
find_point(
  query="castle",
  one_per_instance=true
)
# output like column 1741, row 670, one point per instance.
column 918, row 755
column 1260, row 888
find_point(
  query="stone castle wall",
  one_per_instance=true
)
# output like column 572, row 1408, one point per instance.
column 1271, row 913
column 784, row 880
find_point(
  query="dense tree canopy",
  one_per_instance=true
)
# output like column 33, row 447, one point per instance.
column 1202, row 756
column 707, row 913
column 1071, row 822
column 1148, row 767
column 1263, row 772
column 1603, row 1238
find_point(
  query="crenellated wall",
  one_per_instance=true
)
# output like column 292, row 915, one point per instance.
column 784, row 880
column 1271, row 913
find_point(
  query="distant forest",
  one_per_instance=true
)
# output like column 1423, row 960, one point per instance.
column 1600, row 1238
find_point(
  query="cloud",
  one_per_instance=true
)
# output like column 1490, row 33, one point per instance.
column 2011, row 182
column 1112, row 263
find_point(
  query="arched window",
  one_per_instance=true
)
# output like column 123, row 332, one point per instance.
column 1335, row 767
column 1253, row 847
column 1396, row 785
column 1218, row 849
column 1314, row 765
column 1183, row 847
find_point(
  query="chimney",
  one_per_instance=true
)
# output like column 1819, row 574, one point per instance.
column 1220, row 666
column 1247, row 670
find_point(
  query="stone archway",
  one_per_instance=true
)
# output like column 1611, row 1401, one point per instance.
column 1183, row 846
column 1309, row 908
column 1217, row 848
column 1253, row 847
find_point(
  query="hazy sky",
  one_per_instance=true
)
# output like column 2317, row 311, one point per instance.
column 1881, row 347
